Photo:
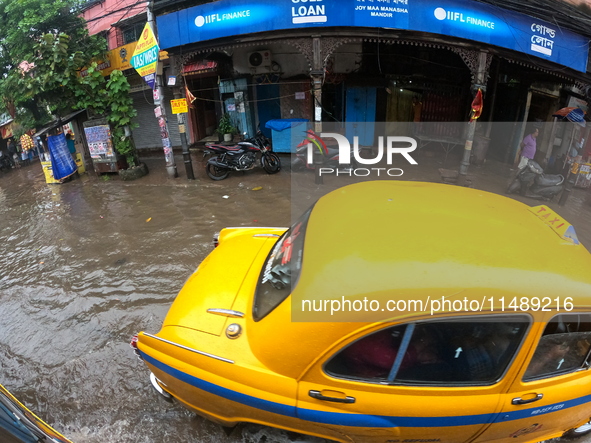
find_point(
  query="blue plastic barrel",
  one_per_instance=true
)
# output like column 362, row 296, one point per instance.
column 287, row 133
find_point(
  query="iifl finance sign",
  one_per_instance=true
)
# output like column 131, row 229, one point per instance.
column 145, row 56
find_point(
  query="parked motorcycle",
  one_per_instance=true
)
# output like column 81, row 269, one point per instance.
column 532, row 182
column 241, row 157
column 330, row 155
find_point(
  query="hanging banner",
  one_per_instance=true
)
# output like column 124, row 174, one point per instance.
column 145, row 56
column 62, row 163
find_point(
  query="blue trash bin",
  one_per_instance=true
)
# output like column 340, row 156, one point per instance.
column 287, row 133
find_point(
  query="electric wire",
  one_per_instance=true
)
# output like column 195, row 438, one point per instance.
column 106, row 14
column 250, row 101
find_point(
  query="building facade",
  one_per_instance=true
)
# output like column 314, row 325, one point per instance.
column 391, row 61
column 121, row 23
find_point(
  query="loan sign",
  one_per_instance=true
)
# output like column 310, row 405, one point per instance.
column 145, row 56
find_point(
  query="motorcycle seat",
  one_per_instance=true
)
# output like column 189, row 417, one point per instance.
column 549, row 180
column 246, row 144
column 217, row 146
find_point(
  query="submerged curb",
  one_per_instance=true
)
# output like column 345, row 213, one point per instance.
column 133, row 173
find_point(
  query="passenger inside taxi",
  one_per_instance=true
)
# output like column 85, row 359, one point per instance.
column 432, row 352
column 565, row 346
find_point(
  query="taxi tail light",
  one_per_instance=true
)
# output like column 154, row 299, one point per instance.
column 133, row 344
column 216, row 239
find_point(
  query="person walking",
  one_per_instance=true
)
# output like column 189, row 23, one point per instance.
column 528, row 148
column 528, row 151
column 71, row 144
column 12, row 152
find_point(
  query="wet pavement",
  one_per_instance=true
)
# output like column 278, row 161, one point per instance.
column 89, row 263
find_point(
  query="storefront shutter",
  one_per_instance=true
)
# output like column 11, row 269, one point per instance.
column 147, row 134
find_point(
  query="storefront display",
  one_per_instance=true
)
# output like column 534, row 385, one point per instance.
column 102, row 152
column 583, row 179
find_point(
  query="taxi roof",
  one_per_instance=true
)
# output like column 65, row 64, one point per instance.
column 393, row 223
column 394, row 239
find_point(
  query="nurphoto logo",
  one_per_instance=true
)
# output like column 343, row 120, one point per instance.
column 351, row 163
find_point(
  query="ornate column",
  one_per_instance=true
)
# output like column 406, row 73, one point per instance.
column 479, row 63
column 317, row 51
column 317, row 74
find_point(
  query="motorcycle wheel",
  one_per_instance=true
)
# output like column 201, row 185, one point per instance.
column 271, row 163
column 513, row 186
column 216, row 173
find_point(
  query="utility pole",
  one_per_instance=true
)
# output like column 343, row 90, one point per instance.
column 182, row 122
column 161, row 115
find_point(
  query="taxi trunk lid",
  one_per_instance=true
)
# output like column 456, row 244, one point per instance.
column 218, row 279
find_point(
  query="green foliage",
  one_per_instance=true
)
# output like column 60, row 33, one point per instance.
column 40, row 33
column 225, row 125
column 44, row 45
column 111, row 98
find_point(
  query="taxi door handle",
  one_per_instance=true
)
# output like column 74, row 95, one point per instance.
column 318, row 395
column 520, row 401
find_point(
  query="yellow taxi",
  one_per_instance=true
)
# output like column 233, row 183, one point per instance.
column 390, row 311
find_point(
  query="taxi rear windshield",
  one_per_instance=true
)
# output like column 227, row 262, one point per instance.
column 281, row 270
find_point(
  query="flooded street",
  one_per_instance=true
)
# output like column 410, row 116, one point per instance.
column 87, row 264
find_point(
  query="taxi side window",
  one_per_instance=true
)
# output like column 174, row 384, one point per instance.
column 370, row 358
column 439, row 352
column 564, row 347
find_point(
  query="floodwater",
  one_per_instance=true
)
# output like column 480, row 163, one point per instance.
column 85, row 266
column 89, row 263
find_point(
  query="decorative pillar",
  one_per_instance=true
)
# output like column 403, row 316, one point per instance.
column 317, row 75
column 479, row 66
column 317, row 51
column 521, row 134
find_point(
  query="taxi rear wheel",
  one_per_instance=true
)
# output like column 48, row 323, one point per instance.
column 578, row 432
column 156, row 385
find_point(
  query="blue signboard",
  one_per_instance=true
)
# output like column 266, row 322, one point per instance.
column 464, row 19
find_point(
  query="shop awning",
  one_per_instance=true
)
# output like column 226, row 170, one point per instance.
column 59, row 122
column 200, row 67
column 6, row 129
column 573, row 114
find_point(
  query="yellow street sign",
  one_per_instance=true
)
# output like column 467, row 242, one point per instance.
column 179, row 106
column 145, row 56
